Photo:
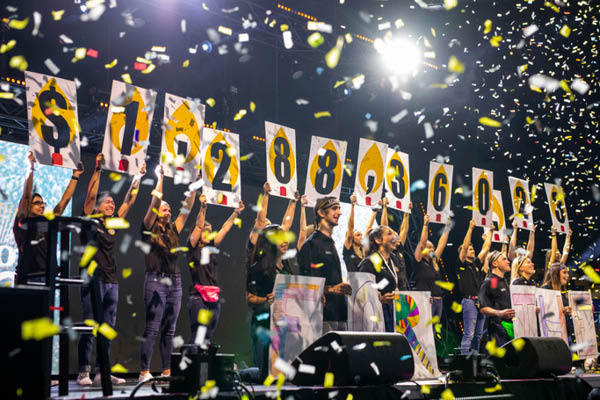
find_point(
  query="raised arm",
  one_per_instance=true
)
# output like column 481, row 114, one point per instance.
column 423, row 240
column 25, row 202
column 188, row 204
column 443, row 241
column 303, row 228
column 132, row 193
column 465, row 244
column 288, row 217
column 384, row 212
column 150, row 216
column 404, row 227
column 350, row 231
column 199, row 227
column 531, row 242
column 92, row 193
column 228, row 224
column 553, row 248
column 371, row 222
column 69, row 191
column 566, row 248
column 261, row 216
column 512, row 246
column 487, row 243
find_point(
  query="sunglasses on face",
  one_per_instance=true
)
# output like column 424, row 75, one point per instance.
column 38, row 203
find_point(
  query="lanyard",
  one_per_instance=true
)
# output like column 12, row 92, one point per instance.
column 392, row 269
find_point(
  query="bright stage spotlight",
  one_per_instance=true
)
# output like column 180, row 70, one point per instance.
column 401, row 56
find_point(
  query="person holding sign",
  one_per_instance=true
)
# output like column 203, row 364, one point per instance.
column 557, row 279
column 204, row 291
column 552, row 255
column 470, row 277
column 33, row 205
column 105, row 239
column 428, row 270
column 381, row 264
column 319, row 257
column 494, row 299
column 353, row 251
column 162, row 284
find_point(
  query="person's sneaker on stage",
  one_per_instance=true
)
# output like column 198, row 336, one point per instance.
column 145, row 376
column 83, row 379
column 113, row 379
column 165, row 374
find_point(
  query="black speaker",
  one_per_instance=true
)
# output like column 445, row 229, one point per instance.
column 355, row 358
column 538, row 358
column 198, row 367
column 26, row 362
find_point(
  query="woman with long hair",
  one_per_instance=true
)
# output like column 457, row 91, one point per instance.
column 558, row 279
column 353, row 250
column 162, row 283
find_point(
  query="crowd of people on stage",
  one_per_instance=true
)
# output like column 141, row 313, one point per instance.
column 483, row 278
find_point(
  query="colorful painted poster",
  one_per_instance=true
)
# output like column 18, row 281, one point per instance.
column 370, row 172
column 558, row 207
column 296, row 316
column 523, row 301
column 582, row 314
column 439, row 192
column 397, row 180
column 552, row 320
column 365, row 313
column 325, row 169
column 411, row 317
column 221, row 167
column 483, row 184
column 498, row 216
column 521, row 202
column 53, row 121
column 282, row 170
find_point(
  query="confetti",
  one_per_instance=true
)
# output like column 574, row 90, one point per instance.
column 58, row 14
column 333, row 56
column 116, row 223
column 495, row 41
column 126, row 273
column 322, row 114
column 18, row 62
column 456, row 307
column 38, row 329
column 565, row 31
column 18, row 24
column 224, row 30
column 107, row 331
column 204, row 316
column 111, row 64
column 126, row 78
column 490, row 122
column 447, row 394
column 488, row 26
column 8, row 46
column 118, row 369
column 445, row 285
column 376, row 260
column 328, row 381
column 518, row 344
column 454, row 65
column 88, row 254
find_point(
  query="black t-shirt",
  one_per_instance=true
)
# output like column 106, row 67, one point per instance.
column 160, row 259
column 38, row 246
column 426, row 275
column 320, row 249
column 400, row 262
column 470, row 277
column 495, row 293
column 524, row 282
column 366, row 265
column 105, row 258
column 203, row 275
column 350, row 259
column 261, row 279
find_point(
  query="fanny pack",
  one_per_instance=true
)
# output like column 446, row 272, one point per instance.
column 209, row 294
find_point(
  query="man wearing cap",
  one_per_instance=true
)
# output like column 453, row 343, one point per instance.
column 318, row 257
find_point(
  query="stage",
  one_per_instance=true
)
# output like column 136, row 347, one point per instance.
column 563, row 387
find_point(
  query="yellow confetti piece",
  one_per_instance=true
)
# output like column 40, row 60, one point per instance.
column 224, row 30
column 160, row 49
column 19, row 392
column 280, row 381
column 322, row 114
column 529, row 120
column 238, row 222
column 127, row 78
column 518, row 344
column 490, row 122
column 252, row 106
column 575, row 357
column 494, row 350
column 350, row 397
column 459, row 190
column 589, row 271
column 115, row 177
column 523, row 68
column 126, row 273
column 204, row 316
column 18, row 24
column 156, row 193
column 565, row 31
column 554, row 7
column 18, row 62
column 438, row 328
column 319, row 265
column 376, row 260
column 438, row 86
column 240, row 114
column 149, row 69
column 278, row 237
column 269, row 380
column 116, row 223
column 210, row 101
column 8, row 46
column 454, row 65
column 495, row 41
column 49, row 215
column 111, row 64
column 487, row 26
column 447, row 395
column 433, row 320
column 315, row 40
column 79, row 54
column 284, row 27
column 333, row 56
column 58, row 14
column 38, row 329
column 382, row 343
column 182, row 249
column 425, row 389
column 456, row 307
column 208, row 385
column 7, row 95
column 348, row 38
column 450, row 4
column 107, row 331
column 493, row 389
column 92, row 267
column 328, row 382
column 585, row 307
column 186, row 63
column 118, row 369
column 445, row 285
column 88, row 253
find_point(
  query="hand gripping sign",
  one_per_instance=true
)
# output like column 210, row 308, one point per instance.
column 370, row 172
column 221, row 167
column 325, row 168
column 397, row 180
column 53, row 125
column 439, row 192
column 127, row 132
column 282, row 171
column 183, row 122
column 558, row 207
column 522, row 208
column 483, row 184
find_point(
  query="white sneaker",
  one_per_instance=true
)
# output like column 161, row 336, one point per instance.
column 83, row 379
column 145, row 377
column 113, row 379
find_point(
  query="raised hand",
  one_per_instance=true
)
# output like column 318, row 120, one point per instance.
column 240, row 208
column 426, row 219
column 79, row 171
column 353, row 199
column 266, row 188
column 303, row 200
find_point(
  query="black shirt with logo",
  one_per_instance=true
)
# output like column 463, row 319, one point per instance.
column 470, row 277
column 160, row 259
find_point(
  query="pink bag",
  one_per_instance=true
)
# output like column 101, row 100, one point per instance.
column 210, row 294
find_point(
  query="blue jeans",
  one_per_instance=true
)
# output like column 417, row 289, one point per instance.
column 195, row 304
column 109, row 297
column 260, row 340
column 162, row 303
column 473, row 323
column 437, row 307
column 388, row 316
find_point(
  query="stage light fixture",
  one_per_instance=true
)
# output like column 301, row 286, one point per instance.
column 207, row 46
column 400, row 56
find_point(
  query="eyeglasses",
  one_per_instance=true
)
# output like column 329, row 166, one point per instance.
column 38, row 203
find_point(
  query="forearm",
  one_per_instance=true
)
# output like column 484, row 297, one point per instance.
column 384, row 216
column 254, row 299
column 92, row 193
column 225, row 228
column 288, row 217
column 531, row 244
column 566, row 249
column 490, row 311
column 465, row 244
column 25, row 202
column 66, row 198
column 261, row 217
column 371, row 221
column 404, row 228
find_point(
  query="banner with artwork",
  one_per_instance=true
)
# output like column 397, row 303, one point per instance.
column 439, row 192
column 53, row 121
column 412, row 319
column 582, row 314
column 296, row 316
column 183, row 121
column 365, row 313
column 498, row 216
column 221, row 167
column 370, row 172
column 558, row 207
column 521, row 202
column 524, row 303
column 127, row 132
column 325, row 169
column 552, row 320
column 483, row 184
column 397, row 180
column 282, row 170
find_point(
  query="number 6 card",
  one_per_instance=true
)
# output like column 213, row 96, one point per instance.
column 281, row 159
column 440, row 192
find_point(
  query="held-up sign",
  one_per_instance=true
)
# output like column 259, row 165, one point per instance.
column 397, row 180
column 183, row 122
column 483, row 184
column 440, row 192
column 325, row 169
column 522, row 208
column 221, row 167
column 368, row 185
column 282, row 171
column 127, row 132
column 53, row 125
column 558, row 207
column 499, row 235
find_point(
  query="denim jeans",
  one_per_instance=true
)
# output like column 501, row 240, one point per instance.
column 260, row 340
column 162, row 303
column 194, row 305
column 437, row 307
column 388, row 316
column 329, row 326
column 109, row 298
column 473, row 323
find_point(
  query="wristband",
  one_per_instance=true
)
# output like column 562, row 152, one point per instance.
column 76, row 178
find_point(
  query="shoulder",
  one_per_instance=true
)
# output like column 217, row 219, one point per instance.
column 365, row 265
